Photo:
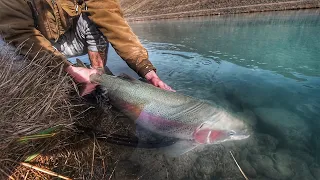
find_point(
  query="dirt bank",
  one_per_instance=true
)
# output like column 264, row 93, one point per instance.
column 139, row 10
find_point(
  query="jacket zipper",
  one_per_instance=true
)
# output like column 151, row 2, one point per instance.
column 55, row 17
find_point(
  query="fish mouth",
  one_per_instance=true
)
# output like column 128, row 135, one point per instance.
column 240, row 137
column 206, row 136
column 211, row 136
column 242, row 134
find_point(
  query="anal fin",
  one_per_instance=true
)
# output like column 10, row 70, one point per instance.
column 179, row 148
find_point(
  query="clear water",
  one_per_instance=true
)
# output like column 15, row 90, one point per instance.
column 264, row 64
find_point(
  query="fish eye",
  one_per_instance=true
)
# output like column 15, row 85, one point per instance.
column 231, row 133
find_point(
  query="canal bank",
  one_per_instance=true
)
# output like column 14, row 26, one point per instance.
column 153, row 10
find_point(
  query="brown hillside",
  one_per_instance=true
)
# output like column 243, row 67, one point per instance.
column 182, row 8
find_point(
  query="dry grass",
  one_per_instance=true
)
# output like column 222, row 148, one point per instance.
column 39, row 108
column 137, row 8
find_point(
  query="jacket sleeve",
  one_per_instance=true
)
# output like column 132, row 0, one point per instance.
column 17, row 28
column 107, row 15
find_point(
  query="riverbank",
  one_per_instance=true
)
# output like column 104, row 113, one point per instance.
column 153, row 10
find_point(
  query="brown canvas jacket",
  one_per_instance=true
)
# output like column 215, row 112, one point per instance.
column 55, row 17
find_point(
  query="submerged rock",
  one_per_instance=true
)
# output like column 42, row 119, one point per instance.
column 265, row 166
column 215, row 163
column 282, row 163
column 244, row 154
column 303, row 173
column 303, row 156
column 277, row 165
column 248, row 169
column 261, row 143
column 287, row 126
column 315, row 141
column 315, row 171
column 310, row 109
column 127, row 170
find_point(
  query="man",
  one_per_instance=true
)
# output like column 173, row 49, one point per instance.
column 69, row 28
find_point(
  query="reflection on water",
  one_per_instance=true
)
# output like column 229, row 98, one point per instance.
column 262, row 66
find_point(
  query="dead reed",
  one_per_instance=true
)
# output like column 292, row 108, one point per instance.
column 39, row 108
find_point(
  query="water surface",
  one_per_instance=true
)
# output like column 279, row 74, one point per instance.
column 266, row 65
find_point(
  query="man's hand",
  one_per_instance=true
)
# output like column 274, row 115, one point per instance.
column 82, row 75
column 153, row 78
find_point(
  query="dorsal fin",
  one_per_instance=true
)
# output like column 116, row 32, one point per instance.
column 107, row 70
column 144, row 80
column 126, row 76
column 80, row 63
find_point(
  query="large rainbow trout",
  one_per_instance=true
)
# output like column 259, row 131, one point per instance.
column 172, row 114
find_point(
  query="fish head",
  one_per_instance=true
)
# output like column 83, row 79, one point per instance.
column 225, row 128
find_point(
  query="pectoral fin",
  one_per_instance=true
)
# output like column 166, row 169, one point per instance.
column 179, row 148
column 87, row 89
